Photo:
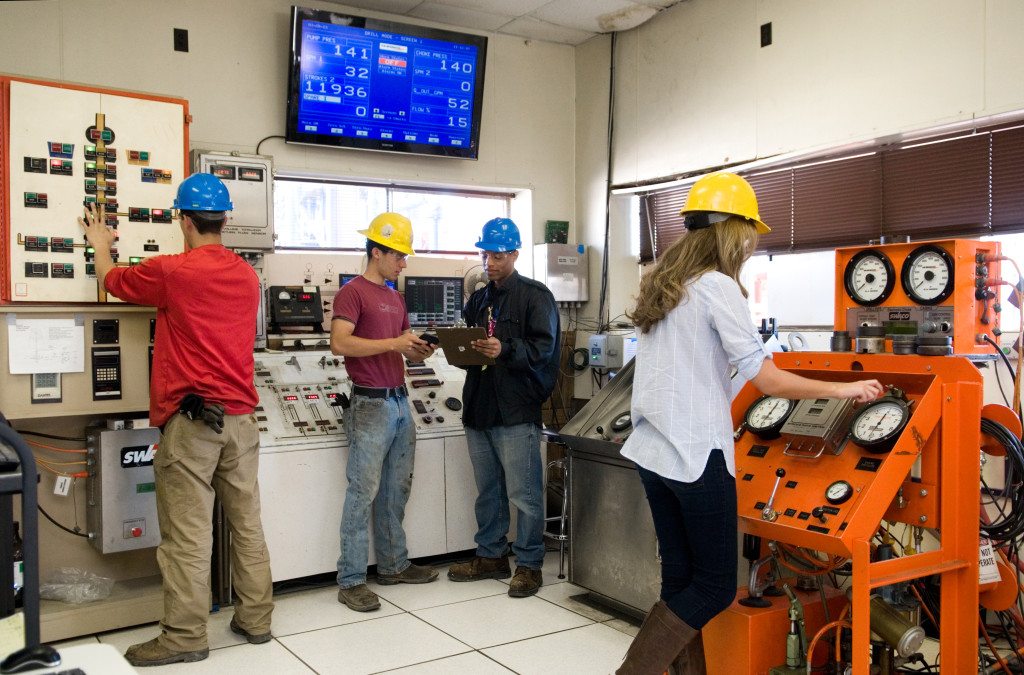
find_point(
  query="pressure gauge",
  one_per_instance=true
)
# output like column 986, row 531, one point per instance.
column 766, row 416
column 927, row 275
column 838, row 492
column 877, row 426
column 622, row 422
column 284, row 295
column 869, row 277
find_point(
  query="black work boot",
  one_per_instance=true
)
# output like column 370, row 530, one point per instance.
column 662, row 637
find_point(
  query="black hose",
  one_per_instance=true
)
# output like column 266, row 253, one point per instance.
column 1009, row 524
column 68, row 530
column 1006, row 361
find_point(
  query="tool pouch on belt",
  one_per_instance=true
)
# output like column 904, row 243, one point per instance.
column 195, row 407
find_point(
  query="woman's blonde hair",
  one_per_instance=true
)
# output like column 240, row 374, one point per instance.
column 723, row 247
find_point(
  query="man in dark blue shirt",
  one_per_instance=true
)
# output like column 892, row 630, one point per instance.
column 502, row 412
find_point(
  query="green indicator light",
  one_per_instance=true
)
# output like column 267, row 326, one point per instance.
column 145, row 487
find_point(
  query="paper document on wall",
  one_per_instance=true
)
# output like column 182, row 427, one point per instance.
column 45, row 346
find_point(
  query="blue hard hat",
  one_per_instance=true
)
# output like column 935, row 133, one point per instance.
column 203, row 192
column 500, row 234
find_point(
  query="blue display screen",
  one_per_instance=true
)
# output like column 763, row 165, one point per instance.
column 359, row 82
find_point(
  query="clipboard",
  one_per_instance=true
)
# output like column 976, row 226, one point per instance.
column 456, row 345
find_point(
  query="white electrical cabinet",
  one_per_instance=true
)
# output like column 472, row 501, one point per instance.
column 250, row 182
column 563, row 269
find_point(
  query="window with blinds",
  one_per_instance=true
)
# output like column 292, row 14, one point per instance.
column 962, row 185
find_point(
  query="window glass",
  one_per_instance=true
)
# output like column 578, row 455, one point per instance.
column 447, row 222
column 327, row 215
column 324, row 215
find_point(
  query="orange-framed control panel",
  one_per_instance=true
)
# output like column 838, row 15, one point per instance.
column 961, row 315
column 943, row 435
column 5, row 156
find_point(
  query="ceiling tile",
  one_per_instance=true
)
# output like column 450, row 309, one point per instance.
column 385, row 6
column 598, row 16
column 459, row 16
column 510, row 8
column 535, row 29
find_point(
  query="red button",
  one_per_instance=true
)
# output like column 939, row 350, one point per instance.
column 136, row 531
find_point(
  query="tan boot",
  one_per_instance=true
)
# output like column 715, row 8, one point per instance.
column 662, row 637
column 691, row 660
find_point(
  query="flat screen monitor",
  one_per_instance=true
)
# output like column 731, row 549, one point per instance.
column 345, row 278
column 357, row 82
column 433, row 301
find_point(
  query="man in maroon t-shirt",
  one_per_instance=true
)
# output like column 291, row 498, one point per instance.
column 206, row 302
column 370, row 329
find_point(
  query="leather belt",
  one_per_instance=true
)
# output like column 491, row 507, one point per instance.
column 379, row 392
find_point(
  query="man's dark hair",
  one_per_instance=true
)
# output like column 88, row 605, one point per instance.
column 371, row 244
column 207, row 222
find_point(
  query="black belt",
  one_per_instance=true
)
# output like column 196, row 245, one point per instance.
column 379, row 392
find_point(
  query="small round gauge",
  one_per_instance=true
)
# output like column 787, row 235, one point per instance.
column 877, row 426
column 766, row 416
column 838, row 492
column 927, row 275
column 869, row 277
column 622, row 422
column 284, row 295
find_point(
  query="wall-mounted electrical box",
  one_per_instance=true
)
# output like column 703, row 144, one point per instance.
column 563, row 269
column 250, row 182
column 121, row 512
column 606, row 351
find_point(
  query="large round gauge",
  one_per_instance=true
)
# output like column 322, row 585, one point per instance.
column 838, row 492
column 877, row 426
column 869, row 277
column 927, row 275
column 766, row 416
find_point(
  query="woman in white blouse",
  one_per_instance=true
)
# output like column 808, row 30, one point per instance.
column 694, row 325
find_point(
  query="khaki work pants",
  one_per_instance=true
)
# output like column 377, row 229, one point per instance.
column 192, row 464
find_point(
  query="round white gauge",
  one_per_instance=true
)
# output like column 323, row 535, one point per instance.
column 767, row 414
column 877, row 426
column 927, row 275
column 284, row 295
column 838, row 492
column 869, row 277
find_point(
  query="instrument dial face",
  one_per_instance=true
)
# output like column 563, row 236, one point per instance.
column 622, row 422
column 838, row 492
column 869, row 278
column 767, row 415
column 880, row 423
column 928, row 275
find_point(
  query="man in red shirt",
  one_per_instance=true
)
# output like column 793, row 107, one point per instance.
column 206, row 300
column 370, row 328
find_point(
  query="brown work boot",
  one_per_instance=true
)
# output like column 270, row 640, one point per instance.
column 359, row 598
column 251, row 638
column 691, row 660
column 525, row 583
column 662, row 637
column 480, row 568
column 153, row 653
column 413, row 574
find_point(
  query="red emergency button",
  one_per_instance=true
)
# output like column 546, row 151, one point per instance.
column 136, row 531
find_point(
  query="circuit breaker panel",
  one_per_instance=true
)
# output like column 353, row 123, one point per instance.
column 121, row 512
column 71, row 146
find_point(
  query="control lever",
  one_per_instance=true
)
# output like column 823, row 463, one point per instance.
column 819, row 513
column 322, row 362
column 293, row 361
column 768, row 512
column 599, row 429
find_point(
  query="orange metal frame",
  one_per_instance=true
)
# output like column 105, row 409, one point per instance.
column 5, row 165
column 943, row 433
column 967, row 310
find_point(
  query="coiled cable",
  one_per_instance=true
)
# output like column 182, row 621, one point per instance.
column 1009, row 523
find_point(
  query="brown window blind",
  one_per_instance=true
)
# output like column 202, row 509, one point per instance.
column 936, row 189
column 965, row 185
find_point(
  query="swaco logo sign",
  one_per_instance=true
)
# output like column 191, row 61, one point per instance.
column 137, row 455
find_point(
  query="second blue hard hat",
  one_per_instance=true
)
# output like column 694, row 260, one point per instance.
column 203, row 192
column 500, row 234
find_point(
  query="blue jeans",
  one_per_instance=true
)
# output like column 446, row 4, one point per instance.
column 382, row 446
column 696, row 527
column 507, row 467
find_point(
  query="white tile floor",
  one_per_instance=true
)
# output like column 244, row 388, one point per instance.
column 439, row 628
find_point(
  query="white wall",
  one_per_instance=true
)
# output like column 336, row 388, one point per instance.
column 235, row 78
column 694, row 89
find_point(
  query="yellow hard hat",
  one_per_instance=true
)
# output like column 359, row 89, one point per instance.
column 722, row 193
column 392, row 230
